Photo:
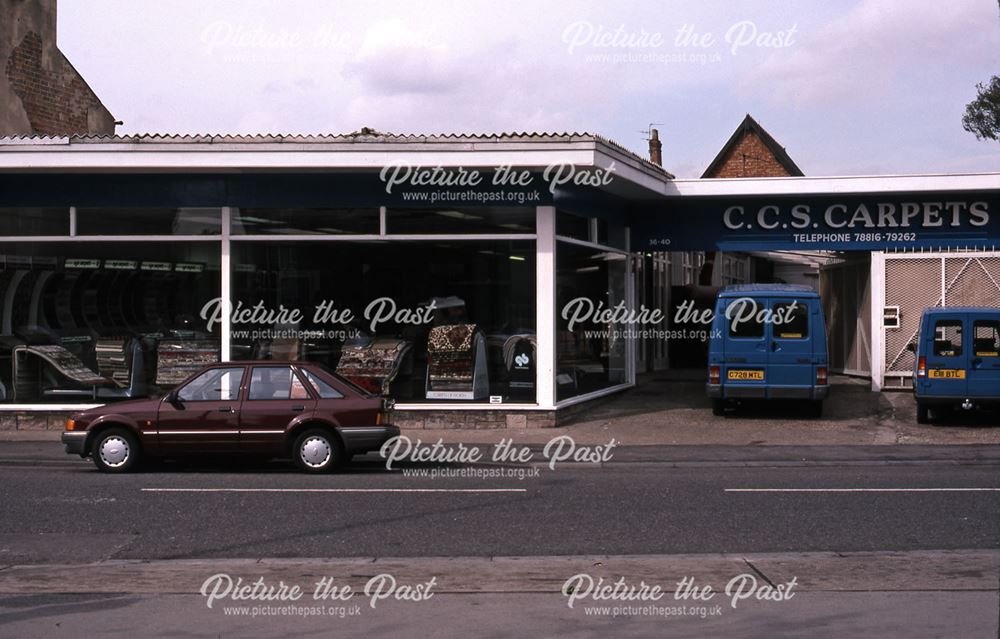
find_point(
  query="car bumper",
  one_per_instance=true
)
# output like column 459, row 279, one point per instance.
column 361, row 439
column 75, row 442
column 718, row 391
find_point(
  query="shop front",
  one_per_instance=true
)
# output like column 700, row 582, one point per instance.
column 480, row 282
column 128, row 266
column 878, row 249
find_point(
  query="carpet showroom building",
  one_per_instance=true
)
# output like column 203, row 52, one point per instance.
column 447, row 292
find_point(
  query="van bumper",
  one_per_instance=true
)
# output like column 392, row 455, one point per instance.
column 718, row 391
column 952, row 400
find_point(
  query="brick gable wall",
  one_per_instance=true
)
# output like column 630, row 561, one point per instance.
column 55, row 99
column 749, row 157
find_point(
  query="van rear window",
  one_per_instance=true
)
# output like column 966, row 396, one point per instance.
column 744, row 321
column 986, row 338
column 948, row 338
column 791, row 320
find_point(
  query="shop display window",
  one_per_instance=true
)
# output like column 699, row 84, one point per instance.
column 100, row 321
column 419, row 321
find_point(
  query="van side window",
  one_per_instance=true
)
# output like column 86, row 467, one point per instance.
column 791, row 320
column 744, row 321
column 948, row 338
column 986, row 338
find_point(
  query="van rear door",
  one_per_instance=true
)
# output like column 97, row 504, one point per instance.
column 984, row 361
column 791, row 358
column 744, row 370
column 946, row 355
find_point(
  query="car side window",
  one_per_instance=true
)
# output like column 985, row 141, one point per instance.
column 217, row 384
column 791, row 320
column 324, row 390
column 272, row 382
column 948, row 338
column 986, row 338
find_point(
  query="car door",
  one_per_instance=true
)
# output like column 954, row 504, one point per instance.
column 276, row 398
column 790, row 344
column 744, row 371
column 984, row 362
column 202, row 416
column 947, row 357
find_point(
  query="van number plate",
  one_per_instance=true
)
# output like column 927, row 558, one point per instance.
column 757, row 376
column 946, row 373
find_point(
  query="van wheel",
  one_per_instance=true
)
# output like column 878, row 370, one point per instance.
column 115, row 450
column 923, row 414
column 816, row 408
column 317, row 450
column 718, row 407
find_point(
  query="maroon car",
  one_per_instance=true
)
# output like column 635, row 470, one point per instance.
column 266, row 409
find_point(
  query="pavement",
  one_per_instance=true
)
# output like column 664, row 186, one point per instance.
column 915, row 594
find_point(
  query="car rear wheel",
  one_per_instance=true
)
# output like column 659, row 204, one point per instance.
column 718, row 407
column 115, row 450
column 923, row 414
column 317, row 450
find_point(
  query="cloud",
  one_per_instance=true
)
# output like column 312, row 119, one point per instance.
column 864, row 54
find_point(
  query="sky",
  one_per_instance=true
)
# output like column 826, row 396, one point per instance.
column 848, row 88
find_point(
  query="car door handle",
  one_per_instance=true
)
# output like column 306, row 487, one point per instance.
column 226, row 409
column 298, row 408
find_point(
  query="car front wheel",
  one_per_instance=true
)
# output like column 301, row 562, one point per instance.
column 317, row 451
column 115, row 450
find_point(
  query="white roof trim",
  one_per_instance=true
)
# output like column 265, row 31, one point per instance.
column 60, row 154
column 860, row 184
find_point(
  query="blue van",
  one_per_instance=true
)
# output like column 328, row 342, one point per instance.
column 957, row 360
column 768, row 341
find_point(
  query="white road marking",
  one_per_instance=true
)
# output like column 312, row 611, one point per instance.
column 334, row 490
column 860, row 490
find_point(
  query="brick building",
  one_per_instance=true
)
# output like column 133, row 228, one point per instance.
column 751, row 152
column 40, row 91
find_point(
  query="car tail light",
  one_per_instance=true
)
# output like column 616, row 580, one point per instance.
column 922, row 367
column 70, row 424
column 380, row 418
column 713, row 375
column 821, row 376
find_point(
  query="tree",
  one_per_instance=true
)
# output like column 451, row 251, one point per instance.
column 982, row 115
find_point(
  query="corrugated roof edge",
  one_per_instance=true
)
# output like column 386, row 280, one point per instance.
column 363, row 136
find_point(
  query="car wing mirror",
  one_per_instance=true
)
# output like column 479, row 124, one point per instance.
column 911, row 347
column 174, row 399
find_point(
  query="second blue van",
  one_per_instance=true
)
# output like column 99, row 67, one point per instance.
column 957, row 360
column 768, row 341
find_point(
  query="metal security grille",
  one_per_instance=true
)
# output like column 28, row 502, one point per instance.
column 914, row 282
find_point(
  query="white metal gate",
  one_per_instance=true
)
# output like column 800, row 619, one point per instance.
column 915, row 281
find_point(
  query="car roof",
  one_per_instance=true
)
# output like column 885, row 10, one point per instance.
column 262, row 362
column 779, row 290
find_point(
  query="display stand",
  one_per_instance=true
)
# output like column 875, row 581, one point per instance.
column 177, row 359
column 456, row 363
column 375, row 365
column 519, row 354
